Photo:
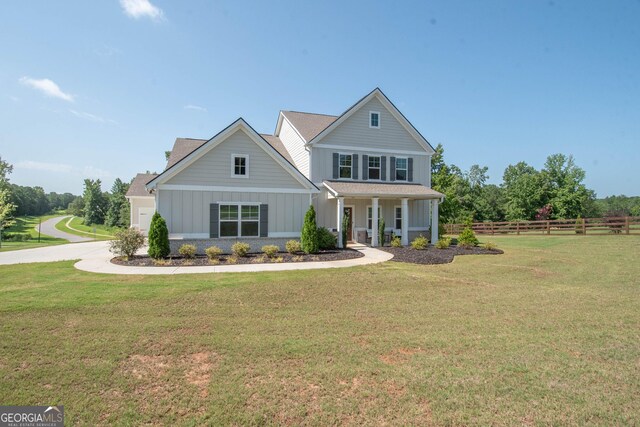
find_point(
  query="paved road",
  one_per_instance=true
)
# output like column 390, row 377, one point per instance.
column 87, row 250
column 49, row 228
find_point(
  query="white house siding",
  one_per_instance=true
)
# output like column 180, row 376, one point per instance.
column 215, row 167
column 295, row 146
column 187, row 211
column 136, row 204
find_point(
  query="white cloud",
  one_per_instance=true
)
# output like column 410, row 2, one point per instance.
column 91, row 117
column 46, row 86
column 141, row 9
column 84, row 171
column 92, row 172
column 195, row 107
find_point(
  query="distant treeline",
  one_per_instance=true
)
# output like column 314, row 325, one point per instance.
column 34, row 201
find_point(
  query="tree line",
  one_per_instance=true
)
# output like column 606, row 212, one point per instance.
column 557, row 191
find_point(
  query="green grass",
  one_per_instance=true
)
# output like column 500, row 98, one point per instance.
column 546, row 334
column 78, row 228
column 27, row 224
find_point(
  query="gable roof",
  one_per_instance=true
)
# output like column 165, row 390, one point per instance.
column 182, row 148
column 276, row 143
column 239, row 124
column 308, row 125
column 137, row 187
column 376, row 93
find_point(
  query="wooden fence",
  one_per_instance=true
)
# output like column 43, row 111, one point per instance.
column 581, row 227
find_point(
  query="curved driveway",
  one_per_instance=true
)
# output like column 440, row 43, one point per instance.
column 49, row 228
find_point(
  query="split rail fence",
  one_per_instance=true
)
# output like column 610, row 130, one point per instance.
column 628, row 225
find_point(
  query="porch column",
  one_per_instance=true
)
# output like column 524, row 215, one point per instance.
column 405, row 222
column 340, row 217
column 434, row 221
column 374, row 222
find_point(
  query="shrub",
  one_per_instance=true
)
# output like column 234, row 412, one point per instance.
column 309, row 235
column 381, row 227
column 260, row 259
column 127, row 242
column 326, row 239
column 16, row 237
column 240, row 249
column 158, row 238
column 420, row 243
column 490, row 246
column 396, row 242
column 187, row 251
column 345, row 226
column 270, row 250
column 232, row 260
column 443, row 243
column 465, row 245
column 579, row 224
column 213, row 252
column 467, row 237
column 293, row 246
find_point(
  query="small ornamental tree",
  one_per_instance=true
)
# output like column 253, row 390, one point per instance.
column 544, row 213
column 381, row 227
column 309, row 235
column 158, row 238
column 345, row 226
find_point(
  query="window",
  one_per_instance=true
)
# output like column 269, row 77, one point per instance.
column 401, row 168
column 374, row 167
column 345, row 165
column 374, row 119
column 239, row 220
column 398, row 218
column 239, row 165
column 370, row 215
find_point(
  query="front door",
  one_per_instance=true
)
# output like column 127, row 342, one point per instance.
column 349, row 211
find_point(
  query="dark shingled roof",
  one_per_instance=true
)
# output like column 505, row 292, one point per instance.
column 309, row 124
column 137, row 187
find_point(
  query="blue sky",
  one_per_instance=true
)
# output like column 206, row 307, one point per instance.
column 102, row 88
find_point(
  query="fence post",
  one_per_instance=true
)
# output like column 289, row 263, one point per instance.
column 548, row 227
column 518, row 228
column 584, row 227
column 626, row 224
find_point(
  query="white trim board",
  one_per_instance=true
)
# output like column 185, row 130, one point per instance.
column 364, row 150
column 189, row 187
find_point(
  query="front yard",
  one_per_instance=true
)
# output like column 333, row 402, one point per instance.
column 547, row 333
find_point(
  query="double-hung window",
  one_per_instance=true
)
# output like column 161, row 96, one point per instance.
column 398, row 217
column 401, row 168
column 345, row 165
column 370, row 216
column 239, row 220
column 374, row 167
column 239, row 166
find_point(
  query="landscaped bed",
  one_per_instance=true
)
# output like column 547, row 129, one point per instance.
column 432, row 255
column 255, row 258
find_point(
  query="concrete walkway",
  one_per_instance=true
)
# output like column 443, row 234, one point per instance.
column 49, row 228
column 96, row 258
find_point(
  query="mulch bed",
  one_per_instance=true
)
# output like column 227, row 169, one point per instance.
column 432, row 255
column 332, row 255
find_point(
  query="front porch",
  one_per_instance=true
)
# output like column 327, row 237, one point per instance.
column 408, row 210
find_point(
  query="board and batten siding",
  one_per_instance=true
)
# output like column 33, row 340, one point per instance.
column 295, row 146
column 187, row 212
column 215, row 167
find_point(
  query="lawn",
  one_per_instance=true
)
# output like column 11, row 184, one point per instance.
column 78, row 228
column 27, row 224
column 548, row 333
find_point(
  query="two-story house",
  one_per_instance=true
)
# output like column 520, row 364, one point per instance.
column 367, row 163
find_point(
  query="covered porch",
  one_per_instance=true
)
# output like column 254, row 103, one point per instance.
column 407, row 209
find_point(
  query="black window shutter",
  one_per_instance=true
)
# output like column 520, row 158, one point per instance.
column 365, row 167
column 336, row 168
column 410, row 169
column 354, row 166
column 383, row 168
column 392, row 168
column 214, row 209
column 264, row 220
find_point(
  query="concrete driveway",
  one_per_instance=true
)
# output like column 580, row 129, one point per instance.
column 49, row 228
column 88, row 250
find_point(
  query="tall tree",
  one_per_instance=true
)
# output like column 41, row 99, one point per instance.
column 524, row 191
column 562, row 178
column 7, row 208
column 95, row 202
column 114, row 217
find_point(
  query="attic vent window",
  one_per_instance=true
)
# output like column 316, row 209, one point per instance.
column 374, row 119
column 239, row 166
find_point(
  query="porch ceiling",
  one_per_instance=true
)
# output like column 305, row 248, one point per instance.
column 381, row 189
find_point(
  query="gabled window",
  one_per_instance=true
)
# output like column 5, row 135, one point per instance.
column 401, row 168
column 374, row 119
column 374, row 167
column 239, row 220
column 345, row 165
column 239, row 166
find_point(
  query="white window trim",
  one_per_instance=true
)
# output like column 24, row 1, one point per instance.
column 379, row 178
column 379, row 117
column 233, row 165
column 406, row 179
column 345, row 154
column 371, row 218
column 239, row 220
column 396, row 218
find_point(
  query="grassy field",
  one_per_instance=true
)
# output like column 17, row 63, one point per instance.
column 78, row 228
column 27, row 224
column 546, row 334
